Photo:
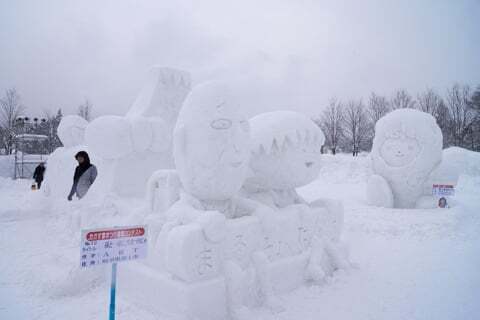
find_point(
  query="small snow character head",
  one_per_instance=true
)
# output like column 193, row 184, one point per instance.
column 71, row 130
column 407, row 138
column 211, row 143
column 285, row 150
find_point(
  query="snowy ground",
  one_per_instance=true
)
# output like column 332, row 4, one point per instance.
column 409, row 264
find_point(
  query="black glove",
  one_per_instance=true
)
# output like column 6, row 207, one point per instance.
column 69, row 198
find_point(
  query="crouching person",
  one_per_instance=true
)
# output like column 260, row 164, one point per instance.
column 85, row 175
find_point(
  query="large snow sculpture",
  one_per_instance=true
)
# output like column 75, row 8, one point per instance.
column 285, row 156
column 141, row 142
column 216, row 253
column 406, row 155
column 61, row 163
column 207, row 255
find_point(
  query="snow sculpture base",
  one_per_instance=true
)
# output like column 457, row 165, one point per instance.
column 162, row 294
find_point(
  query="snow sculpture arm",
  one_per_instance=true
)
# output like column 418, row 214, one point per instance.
column 115, row 137
column 379, row 192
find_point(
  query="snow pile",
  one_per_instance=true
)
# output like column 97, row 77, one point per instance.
column 407, row 148
column 462, row 161
column 141, row 142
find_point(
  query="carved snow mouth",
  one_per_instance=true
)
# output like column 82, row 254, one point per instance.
column 236, row 164
column 309, row 164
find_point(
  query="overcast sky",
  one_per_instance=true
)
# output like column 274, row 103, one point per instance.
column 297, row 54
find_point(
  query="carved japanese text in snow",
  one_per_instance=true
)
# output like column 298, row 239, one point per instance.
column 406, row 152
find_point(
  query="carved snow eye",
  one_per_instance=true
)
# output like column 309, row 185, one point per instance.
column 221, row 124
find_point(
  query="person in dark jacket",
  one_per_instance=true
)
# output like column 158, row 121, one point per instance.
column 85, row 175
column 38, row 174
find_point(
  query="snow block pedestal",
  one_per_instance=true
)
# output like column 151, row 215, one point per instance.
column 162, row 294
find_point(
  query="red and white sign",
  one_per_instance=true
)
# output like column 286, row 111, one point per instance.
column 105, row 246
column 443, row 190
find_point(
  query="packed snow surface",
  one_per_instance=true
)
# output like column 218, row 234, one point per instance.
column 408, row 264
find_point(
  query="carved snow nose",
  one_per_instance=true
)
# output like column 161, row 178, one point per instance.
column 309, row 164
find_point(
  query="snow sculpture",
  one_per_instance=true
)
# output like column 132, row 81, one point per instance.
column 285, row 156
column 406, row 153
column 207, row 245
column 61, row 163
column 141, row 142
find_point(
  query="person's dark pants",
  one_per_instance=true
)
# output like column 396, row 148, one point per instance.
column 39, row 183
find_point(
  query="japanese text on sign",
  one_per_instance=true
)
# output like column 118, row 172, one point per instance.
column 105, row 246
column 443, row 190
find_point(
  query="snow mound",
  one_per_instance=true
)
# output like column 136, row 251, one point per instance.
column 462, row 160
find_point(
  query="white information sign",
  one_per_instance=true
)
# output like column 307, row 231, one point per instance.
column 119, row 244
column 443, row 190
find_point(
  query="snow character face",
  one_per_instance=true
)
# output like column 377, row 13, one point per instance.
column 400, row 152
column 286, row 150
column 211, row 143
column 71, row 130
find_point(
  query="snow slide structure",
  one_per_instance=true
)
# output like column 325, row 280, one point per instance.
column 230, row 231
column 407, row 161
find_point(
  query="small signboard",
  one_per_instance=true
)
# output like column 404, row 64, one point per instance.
column 119, row 244
column 443, row 190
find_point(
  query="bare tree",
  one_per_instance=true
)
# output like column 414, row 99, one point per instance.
column 331, row 124
column 462, row 113
column 378, row 106
column 401, row 99
column 429, row 102
column 356, row 125
column 85, row 110
column 10, row 110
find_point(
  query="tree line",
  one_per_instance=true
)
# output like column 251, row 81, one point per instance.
column 349, row 126
column 14, row 122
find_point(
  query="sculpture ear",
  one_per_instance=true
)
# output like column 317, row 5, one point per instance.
column 179, row 142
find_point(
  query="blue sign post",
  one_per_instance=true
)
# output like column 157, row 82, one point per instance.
column 113, row 288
